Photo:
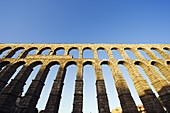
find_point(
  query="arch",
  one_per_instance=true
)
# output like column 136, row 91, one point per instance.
column 53, row 68
column 4, row 50
column 130, row 83
column 59, row 51
column 143, row 52
column 19, row 63
column 31, row 77
column 130, row 53
column 110, row 84
column 157, row 52
column 116, row 53
column 102, row 53
column 12, row 71
column 142, row 67
column 70, row 63
column 74, row 51
column 163, row 70
column 166, row 49
column 106, row 62
column 88, row 52
column 3, row 64
column 33, row 64
column 88, row 62
column 28, row 51
column 68, row 88
column 43, row 50
column 52, row 63
column 89, row 88
column 14, row 53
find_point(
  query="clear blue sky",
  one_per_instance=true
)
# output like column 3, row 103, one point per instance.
column 84, row 21
column 81, row 21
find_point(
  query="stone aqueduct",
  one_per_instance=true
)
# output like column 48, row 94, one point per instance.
column 9, row 93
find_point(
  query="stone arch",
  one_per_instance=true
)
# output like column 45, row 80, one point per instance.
column 130, row 53
column 4, row 49
column 89, row 62
column 28, row 51
column 3, row 64
column 89, row 50
column 158, row 52
column 159, row 84
column 162, row 68
column 75, row 55
column 117, row 55
column 13, row 52
column 153, row 105
column 71, row 69
column 35, row 63
column 105, row 62
column 49, row 65
column 104, row 51
column 110, row 81
column 145, row 54
column 9, row 72
column 89, row 73
column 70, row 63
column 43, row 49
column 59, row 49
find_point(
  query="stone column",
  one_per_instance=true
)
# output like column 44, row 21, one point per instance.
column 103, row 104
column 33, row 94
column 6, row 74
column 12, row 91
column 78, row 95
column 23, row 54
column 53, row 103
column 65, row 51
column 160, row 85
column 148, row 98
column 110, row 55
column 95, row 54
column 126, row 100
column 3, row 64
column 164, row 70
column 123, row 53
column 151, row 54
column 80, row 53
column 138, row 54
column 10, row 53
column 163, row 53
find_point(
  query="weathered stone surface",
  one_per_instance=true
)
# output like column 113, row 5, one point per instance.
column 10, row 93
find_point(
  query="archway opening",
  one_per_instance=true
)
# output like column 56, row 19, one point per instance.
column 166, row 50
column 66, row 103
column 47, row 88
column 17, row 53
column 102, row 54
column 130, row 84
column 112, row 94
column 30, row 78
column 130, row 53
column 59, row 51
column 116, row 54
column 74, row 52
column 4, row 51
column 145, row 55
column 88, row 53
column 89, row 90
column 157, row 53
